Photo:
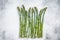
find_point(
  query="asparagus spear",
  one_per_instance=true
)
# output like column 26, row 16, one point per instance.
column 20, row 33
column 29, row 23
column 41, row 15
column 36, row 26
column 32, row 23
column 24, row 14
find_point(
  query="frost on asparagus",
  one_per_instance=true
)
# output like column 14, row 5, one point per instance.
column 31, row 22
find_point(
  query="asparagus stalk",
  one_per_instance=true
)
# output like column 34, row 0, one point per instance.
column 41, row 15
column 36, row 26
column 24, row 14
column 29, row 23
column 20, row 22
column 32, row 24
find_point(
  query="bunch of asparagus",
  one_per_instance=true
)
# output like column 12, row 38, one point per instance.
column 31, row 22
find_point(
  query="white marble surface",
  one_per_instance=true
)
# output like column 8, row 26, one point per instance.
column 9, row 19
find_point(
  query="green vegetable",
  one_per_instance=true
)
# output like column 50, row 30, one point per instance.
column 31, row 22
